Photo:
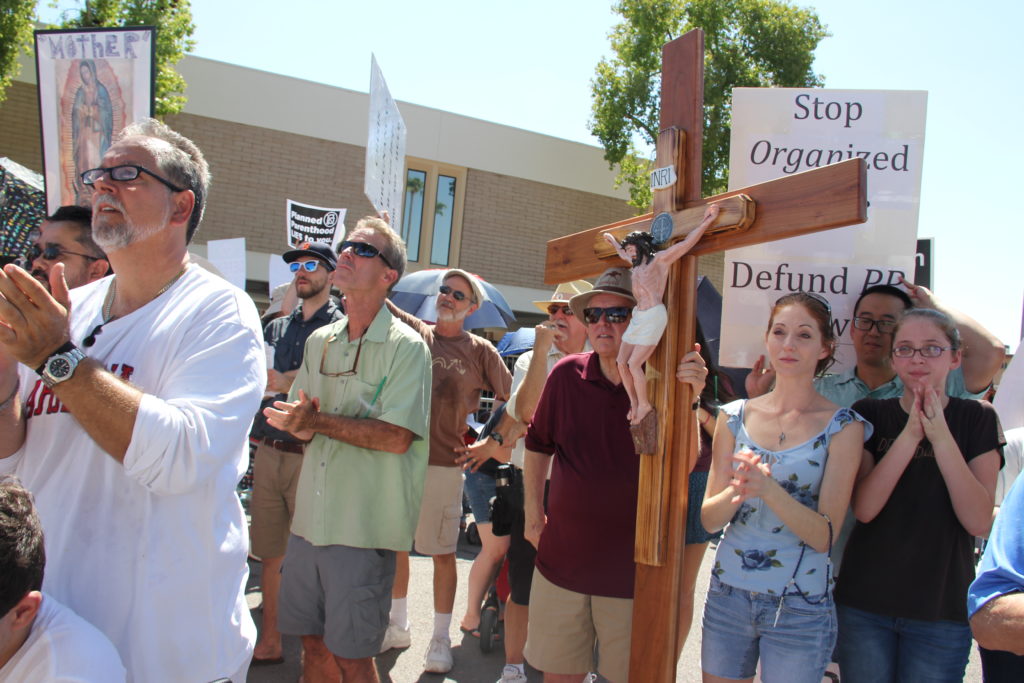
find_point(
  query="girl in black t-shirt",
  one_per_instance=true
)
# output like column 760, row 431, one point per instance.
column 924, row 491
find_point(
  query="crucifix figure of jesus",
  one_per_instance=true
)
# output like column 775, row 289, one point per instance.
column 819, row 199
column 650, row 275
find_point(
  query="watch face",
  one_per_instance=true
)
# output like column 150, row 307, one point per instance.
column 59, row 367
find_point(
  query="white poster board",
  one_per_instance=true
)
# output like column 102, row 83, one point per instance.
column 307, row 223
column 278, row 272
column 781, row 131
column 229, row 258
column 384, row 184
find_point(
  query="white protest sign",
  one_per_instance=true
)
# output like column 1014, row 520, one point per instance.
column 229, row 258
column 384, row 184
column 781, row 131
column 307, row 223
column 278, row 272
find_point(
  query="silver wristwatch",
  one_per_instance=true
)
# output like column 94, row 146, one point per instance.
column 61, row 365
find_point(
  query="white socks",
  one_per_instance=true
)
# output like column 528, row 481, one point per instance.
column 400, row 618
column 442, row 624
column 400, row 613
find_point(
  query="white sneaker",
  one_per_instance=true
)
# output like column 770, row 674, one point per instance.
column 511, row 674
column 396, row 637
column 439, row 656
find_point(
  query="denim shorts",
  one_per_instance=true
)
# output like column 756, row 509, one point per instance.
column 479, row 491
column 879, row 649
column 740, row 627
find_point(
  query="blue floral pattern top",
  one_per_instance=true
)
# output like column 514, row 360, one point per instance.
column 757, row 552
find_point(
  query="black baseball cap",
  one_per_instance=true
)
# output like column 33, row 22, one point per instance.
column 317, row 250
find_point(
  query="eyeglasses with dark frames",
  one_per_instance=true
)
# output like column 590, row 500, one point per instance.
column 123, row 174
column 308, row 266
column 554, row 309
column 883, row 326
column 364, row 250
column 346, row 373
column 613, row 314
column 52, row 252
column 929, row 351
column 453, row 293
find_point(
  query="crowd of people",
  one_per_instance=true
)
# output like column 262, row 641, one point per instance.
column 845, row 506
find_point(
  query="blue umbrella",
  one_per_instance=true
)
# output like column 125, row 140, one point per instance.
column 416, row 293
column 516, row 342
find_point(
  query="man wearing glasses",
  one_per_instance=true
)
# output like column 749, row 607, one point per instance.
column 582, row 592
column 463, row 365
column 130, row 425
column 66, row 237
column 361, row 399
column 278, row 458
column 561, row 334
column 874, row 317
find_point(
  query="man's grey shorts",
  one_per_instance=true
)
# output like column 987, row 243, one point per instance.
column 338, row 592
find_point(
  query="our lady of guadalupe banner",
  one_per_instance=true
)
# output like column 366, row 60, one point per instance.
column 92, row 83
column 781, row 131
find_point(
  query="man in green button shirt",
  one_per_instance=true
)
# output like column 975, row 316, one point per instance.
column 362, row 400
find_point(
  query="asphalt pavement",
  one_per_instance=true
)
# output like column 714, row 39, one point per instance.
column 471, row 664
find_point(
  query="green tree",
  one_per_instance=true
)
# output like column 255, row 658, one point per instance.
column 174, row 27
column 747, row 43
column 172, row 19
column 15, row 37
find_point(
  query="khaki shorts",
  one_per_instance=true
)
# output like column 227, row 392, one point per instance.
column 437, row 532
column 274, row 480
column 564, row 627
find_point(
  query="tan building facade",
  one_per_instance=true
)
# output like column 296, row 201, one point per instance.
column 480, row 196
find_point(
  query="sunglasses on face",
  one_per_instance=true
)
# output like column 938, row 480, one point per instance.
column 453, row 293
column 555, row 309
column 52, row 252
column 883, row 326
column 613, row 314
column 308, row 266
column 363, row 250
column 930, row 351
column 123, row 174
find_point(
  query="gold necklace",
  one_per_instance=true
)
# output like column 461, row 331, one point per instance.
column 108, row 305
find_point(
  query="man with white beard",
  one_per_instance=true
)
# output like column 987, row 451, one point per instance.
column 463, row 366
column 127, row 420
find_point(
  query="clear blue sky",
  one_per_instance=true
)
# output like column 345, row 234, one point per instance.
column 529, row 64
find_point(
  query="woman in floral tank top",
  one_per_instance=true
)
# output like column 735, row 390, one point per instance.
column 783, row 467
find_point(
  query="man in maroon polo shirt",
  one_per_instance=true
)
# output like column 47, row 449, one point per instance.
column 583, row 584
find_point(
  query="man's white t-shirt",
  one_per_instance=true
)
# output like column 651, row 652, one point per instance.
column 153, row 552
column 63, row 648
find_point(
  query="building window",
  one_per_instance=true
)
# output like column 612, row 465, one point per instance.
column 412, row 209
column 432, row 213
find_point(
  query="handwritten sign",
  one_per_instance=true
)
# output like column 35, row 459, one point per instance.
column 92, row 83
column 384, row 184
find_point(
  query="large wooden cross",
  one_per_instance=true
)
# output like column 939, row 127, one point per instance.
column 807, row 202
